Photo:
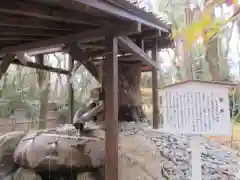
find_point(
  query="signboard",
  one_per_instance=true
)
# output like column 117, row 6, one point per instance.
column 196, row 108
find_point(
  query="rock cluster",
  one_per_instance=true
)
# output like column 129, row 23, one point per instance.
column 144, row 154
column 218, row 162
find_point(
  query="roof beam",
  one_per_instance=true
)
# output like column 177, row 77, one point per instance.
column 48, row 50
column 148, row 18
column 112, row 8
column 8, row 43
column 123, row 59
column 34, row 23
column 89, row 35
column 92, row 46
column 39, row 66
column 5, row 30
column 129, row 45
column 149, row 34
column 47, row 13
column 17, row 38
column 20, row 60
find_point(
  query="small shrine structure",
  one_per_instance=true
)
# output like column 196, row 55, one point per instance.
column 115, row 32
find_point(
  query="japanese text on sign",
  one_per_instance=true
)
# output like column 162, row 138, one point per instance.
column 196, row 112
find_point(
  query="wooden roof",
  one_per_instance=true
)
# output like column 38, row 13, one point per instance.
column 43, row 26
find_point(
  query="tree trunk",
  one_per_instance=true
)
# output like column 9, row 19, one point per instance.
column 212, row 57
column 187, row 66
column 129, row 92
column 213, row 60
column 43, row 84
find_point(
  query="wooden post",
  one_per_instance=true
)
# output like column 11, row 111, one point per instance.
column 44, row 92
column 110, row 82
column 155, row 97
column 70, row 91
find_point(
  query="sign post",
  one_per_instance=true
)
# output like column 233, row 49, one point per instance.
column 196, row 108
column 196, row 161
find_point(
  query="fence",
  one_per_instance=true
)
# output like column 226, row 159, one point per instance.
column 9, row 125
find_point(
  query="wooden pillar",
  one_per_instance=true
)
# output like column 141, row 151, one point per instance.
column 70, row 91
column 110, row 82
column 44, row 91
column 155, row 97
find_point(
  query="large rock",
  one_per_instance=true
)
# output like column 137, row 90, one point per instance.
column 26, row 174
column 8, row 143
column 139, row 157
column 58, row 149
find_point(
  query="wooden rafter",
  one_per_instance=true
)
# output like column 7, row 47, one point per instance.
column 149, row 34
column 4, row 43
column 55, row 41
column 113, row 8
column 89, row 35
column 91, row 46
column 28, row 22
column 47, row 13
column 17, row 38
column 48, row 50
column 128, row 44
column 8, row 30
column 33, row 65
column 42, row 67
